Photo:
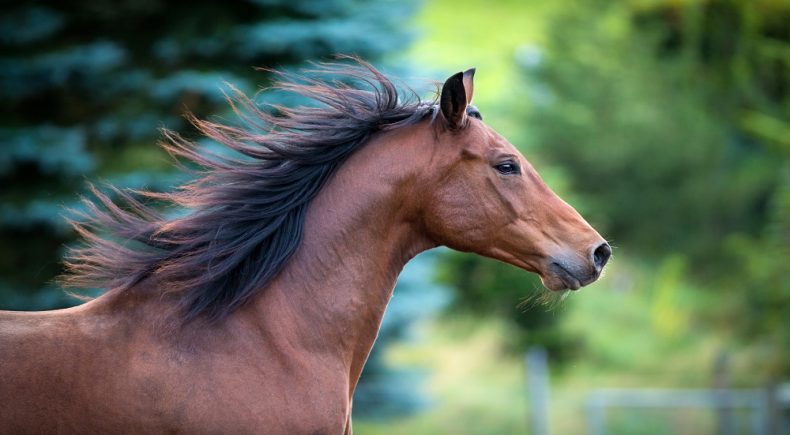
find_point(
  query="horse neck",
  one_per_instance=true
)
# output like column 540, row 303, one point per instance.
column 359, row 233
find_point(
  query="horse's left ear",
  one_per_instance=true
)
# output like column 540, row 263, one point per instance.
column 456, row 95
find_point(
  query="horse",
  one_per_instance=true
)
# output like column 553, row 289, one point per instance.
column 255, row 308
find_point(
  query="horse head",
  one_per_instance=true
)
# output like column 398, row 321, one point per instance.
column 485, row 197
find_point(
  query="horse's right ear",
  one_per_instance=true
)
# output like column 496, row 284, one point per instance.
column 456, row 95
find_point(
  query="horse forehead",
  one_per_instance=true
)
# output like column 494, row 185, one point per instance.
column 486, row 139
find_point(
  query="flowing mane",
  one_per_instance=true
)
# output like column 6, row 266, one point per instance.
column 245, row 214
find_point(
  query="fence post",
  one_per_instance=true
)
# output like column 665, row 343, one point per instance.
column 774, row 424
column 721, row 384
column 538, row 389
column 596, row 419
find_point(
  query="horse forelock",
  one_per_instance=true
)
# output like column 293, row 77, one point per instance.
column 246, row 213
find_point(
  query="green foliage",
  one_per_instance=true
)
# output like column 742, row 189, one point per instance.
column 670, row 120
column 760, row 290
column 637, row 104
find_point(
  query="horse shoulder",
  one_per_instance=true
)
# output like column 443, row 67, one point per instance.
column 230, row 379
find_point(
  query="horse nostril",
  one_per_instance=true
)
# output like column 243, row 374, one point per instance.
column 601, row 255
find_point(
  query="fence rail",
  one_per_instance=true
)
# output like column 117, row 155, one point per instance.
column 768, row 407
column 751, row 399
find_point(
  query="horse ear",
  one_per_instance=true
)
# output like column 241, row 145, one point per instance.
column 456, row 95
column 469, row 84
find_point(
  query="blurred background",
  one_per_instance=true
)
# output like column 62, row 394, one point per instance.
column 665, row 122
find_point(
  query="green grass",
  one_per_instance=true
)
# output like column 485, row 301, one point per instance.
column 477, row 388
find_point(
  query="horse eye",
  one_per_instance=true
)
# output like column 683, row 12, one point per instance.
column 508, row 168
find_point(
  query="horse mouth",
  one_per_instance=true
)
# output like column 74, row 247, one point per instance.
column 564, row 279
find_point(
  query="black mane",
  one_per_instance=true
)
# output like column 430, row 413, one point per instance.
column 245, row 215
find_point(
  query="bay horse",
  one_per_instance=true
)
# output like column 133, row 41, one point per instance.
column 255, row 310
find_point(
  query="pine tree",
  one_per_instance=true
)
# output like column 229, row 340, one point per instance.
column 85, row 86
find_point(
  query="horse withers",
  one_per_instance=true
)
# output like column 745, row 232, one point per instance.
column 255, row 310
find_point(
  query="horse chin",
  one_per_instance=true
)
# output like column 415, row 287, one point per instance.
column 556, row 283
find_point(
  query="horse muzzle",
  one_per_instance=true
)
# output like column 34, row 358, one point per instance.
column 571, row 272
